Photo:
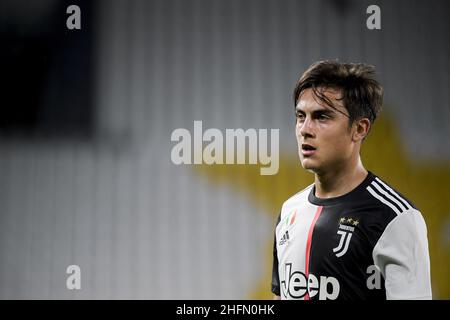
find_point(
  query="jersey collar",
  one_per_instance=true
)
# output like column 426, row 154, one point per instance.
column 346, row 197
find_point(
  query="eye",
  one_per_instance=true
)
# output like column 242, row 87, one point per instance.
column 323, row 117
column 300, row 116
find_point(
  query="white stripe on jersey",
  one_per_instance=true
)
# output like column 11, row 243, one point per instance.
column 407, row 205
column 386, row 202
column 387, row 195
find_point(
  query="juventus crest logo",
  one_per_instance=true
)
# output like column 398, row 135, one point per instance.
column 346, row 228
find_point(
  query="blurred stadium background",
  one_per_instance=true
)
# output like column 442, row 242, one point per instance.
column 85, row 171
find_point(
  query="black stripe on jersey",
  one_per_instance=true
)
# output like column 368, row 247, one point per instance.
column 387, row 200
column 393, row 193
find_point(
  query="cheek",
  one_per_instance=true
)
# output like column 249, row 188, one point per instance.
column 337, row 139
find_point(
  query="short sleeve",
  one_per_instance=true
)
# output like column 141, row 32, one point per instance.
column 402, row 256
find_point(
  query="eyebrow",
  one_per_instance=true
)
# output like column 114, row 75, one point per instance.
column 325, row 111
column 319, row 111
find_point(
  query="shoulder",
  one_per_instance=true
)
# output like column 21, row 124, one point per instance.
column 383, row 195
column 299, row 196
column 389, row 211
column 295, row 200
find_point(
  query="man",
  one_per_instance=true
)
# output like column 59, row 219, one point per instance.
column 349, row 235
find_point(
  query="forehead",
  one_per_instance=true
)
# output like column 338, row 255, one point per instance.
column 308, row 102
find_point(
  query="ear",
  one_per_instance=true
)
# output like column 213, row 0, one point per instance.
column 361, row 128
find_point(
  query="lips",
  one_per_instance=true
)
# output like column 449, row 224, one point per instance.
column 307, row 149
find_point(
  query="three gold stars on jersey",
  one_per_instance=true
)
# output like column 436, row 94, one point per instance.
column 349, row 221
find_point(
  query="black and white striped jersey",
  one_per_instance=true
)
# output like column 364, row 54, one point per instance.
column 370, row 243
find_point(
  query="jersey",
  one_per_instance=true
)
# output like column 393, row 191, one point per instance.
column 370, row 243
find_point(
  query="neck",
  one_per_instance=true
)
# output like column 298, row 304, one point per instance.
column 341, row 180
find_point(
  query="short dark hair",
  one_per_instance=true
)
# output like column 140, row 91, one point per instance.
column 362, row 95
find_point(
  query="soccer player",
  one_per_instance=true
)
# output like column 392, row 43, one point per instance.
column 349, row 235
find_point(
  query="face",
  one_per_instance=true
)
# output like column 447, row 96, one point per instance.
column 323, row 135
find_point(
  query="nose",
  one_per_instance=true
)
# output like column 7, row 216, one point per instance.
column 305, row 128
